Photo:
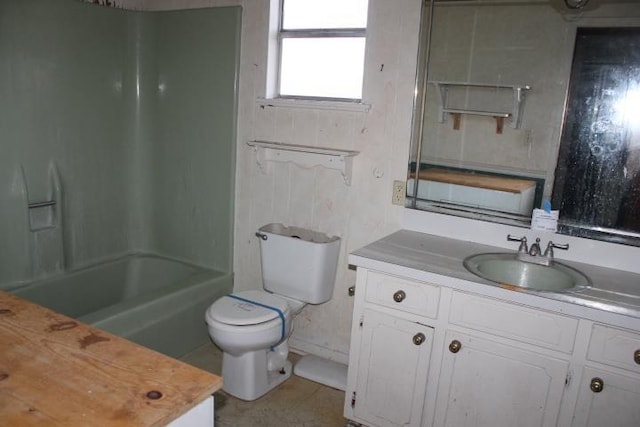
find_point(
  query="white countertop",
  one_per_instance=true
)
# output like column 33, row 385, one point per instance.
column 614, row 297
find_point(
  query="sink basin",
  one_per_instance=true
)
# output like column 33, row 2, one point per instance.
column 507, row 270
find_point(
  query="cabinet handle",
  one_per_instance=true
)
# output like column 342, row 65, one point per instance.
column 399, row 296
column 419, row 338
column 596, row 385
column 455, row 346
column 636, row 356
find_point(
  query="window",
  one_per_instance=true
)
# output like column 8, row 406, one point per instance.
column 321, row 49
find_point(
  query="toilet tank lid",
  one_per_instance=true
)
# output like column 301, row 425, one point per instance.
column 247, row 308
column 298, row 233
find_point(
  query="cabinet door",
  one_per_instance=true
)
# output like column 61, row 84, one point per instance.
column 392, row 370
column 608, row 399
column 486, row 383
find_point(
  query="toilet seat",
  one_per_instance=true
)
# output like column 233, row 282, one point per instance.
column 247, row 308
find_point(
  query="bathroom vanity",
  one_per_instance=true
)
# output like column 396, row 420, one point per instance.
column 433, row 344
column 56, row 371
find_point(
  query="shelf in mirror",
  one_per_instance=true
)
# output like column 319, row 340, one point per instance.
column 513, row 112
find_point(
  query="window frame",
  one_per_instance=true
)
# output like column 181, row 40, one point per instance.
column 312, row 33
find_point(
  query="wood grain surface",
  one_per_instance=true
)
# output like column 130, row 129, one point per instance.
column 479, row 180
column 55, row 371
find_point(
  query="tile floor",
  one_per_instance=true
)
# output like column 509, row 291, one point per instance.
column 295, row 403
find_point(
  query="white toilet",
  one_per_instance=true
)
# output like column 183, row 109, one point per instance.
column 252, row 327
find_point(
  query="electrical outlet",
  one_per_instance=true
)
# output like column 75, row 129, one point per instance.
column 399, row 192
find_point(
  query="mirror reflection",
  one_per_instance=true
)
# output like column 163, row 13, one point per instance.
column 598, row 174
column 491, row 125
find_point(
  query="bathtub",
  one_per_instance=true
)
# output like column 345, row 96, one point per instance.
column 151, row 300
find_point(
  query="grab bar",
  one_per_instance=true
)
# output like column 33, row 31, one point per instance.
column 42, row 204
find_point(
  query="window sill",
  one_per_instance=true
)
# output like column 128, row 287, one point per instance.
column 313, row 104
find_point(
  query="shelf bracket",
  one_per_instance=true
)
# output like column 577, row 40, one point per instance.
column 304, row 156
column 499, row 125
column 456, row 120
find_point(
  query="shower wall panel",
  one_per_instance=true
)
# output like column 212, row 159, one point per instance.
column 61, row 70
column 136, row 110
column 194, row 161
column 140, row 90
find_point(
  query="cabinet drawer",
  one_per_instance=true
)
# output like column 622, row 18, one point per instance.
column 615, row 347
column 514, row 321
column 403, row 294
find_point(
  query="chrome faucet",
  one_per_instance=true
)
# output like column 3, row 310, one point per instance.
column 535, row 248
column 534, row 253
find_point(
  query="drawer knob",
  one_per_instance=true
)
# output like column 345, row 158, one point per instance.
column 399, row 296
column 636, row 356
column 455, row 346
column 419, row 338
column 596, row 385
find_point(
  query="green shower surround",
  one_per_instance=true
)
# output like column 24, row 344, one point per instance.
column 138, row 112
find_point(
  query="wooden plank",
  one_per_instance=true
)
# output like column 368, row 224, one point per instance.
column 478, row 180
column 56, row 371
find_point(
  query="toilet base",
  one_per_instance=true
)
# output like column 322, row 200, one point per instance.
column 255, row 373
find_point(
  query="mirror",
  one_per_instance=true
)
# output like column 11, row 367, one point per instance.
column 499, row 111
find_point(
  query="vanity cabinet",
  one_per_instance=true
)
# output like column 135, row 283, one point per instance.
column 609, row 392
column 390, row 350
column 489, row 383
column 496, row 369
column 427, row 354
column 608, row 398
column 391, row 383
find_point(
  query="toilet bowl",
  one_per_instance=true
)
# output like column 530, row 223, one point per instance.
column 248, row 321
column 252, row 327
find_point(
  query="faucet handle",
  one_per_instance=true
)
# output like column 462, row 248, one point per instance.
column 564, row 246
column 549, row 251
column 523, row 243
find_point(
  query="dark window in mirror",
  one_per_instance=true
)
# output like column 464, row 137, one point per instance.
column 597, row 184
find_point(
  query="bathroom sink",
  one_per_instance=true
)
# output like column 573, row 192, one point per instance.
column 508, row 270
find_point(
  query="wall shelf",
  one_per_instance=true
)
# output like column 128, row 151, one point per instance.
column 305, row 156
column 514, row 113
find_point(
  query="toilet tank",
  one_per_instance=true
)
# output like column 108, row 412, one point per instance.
column 298, row 263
